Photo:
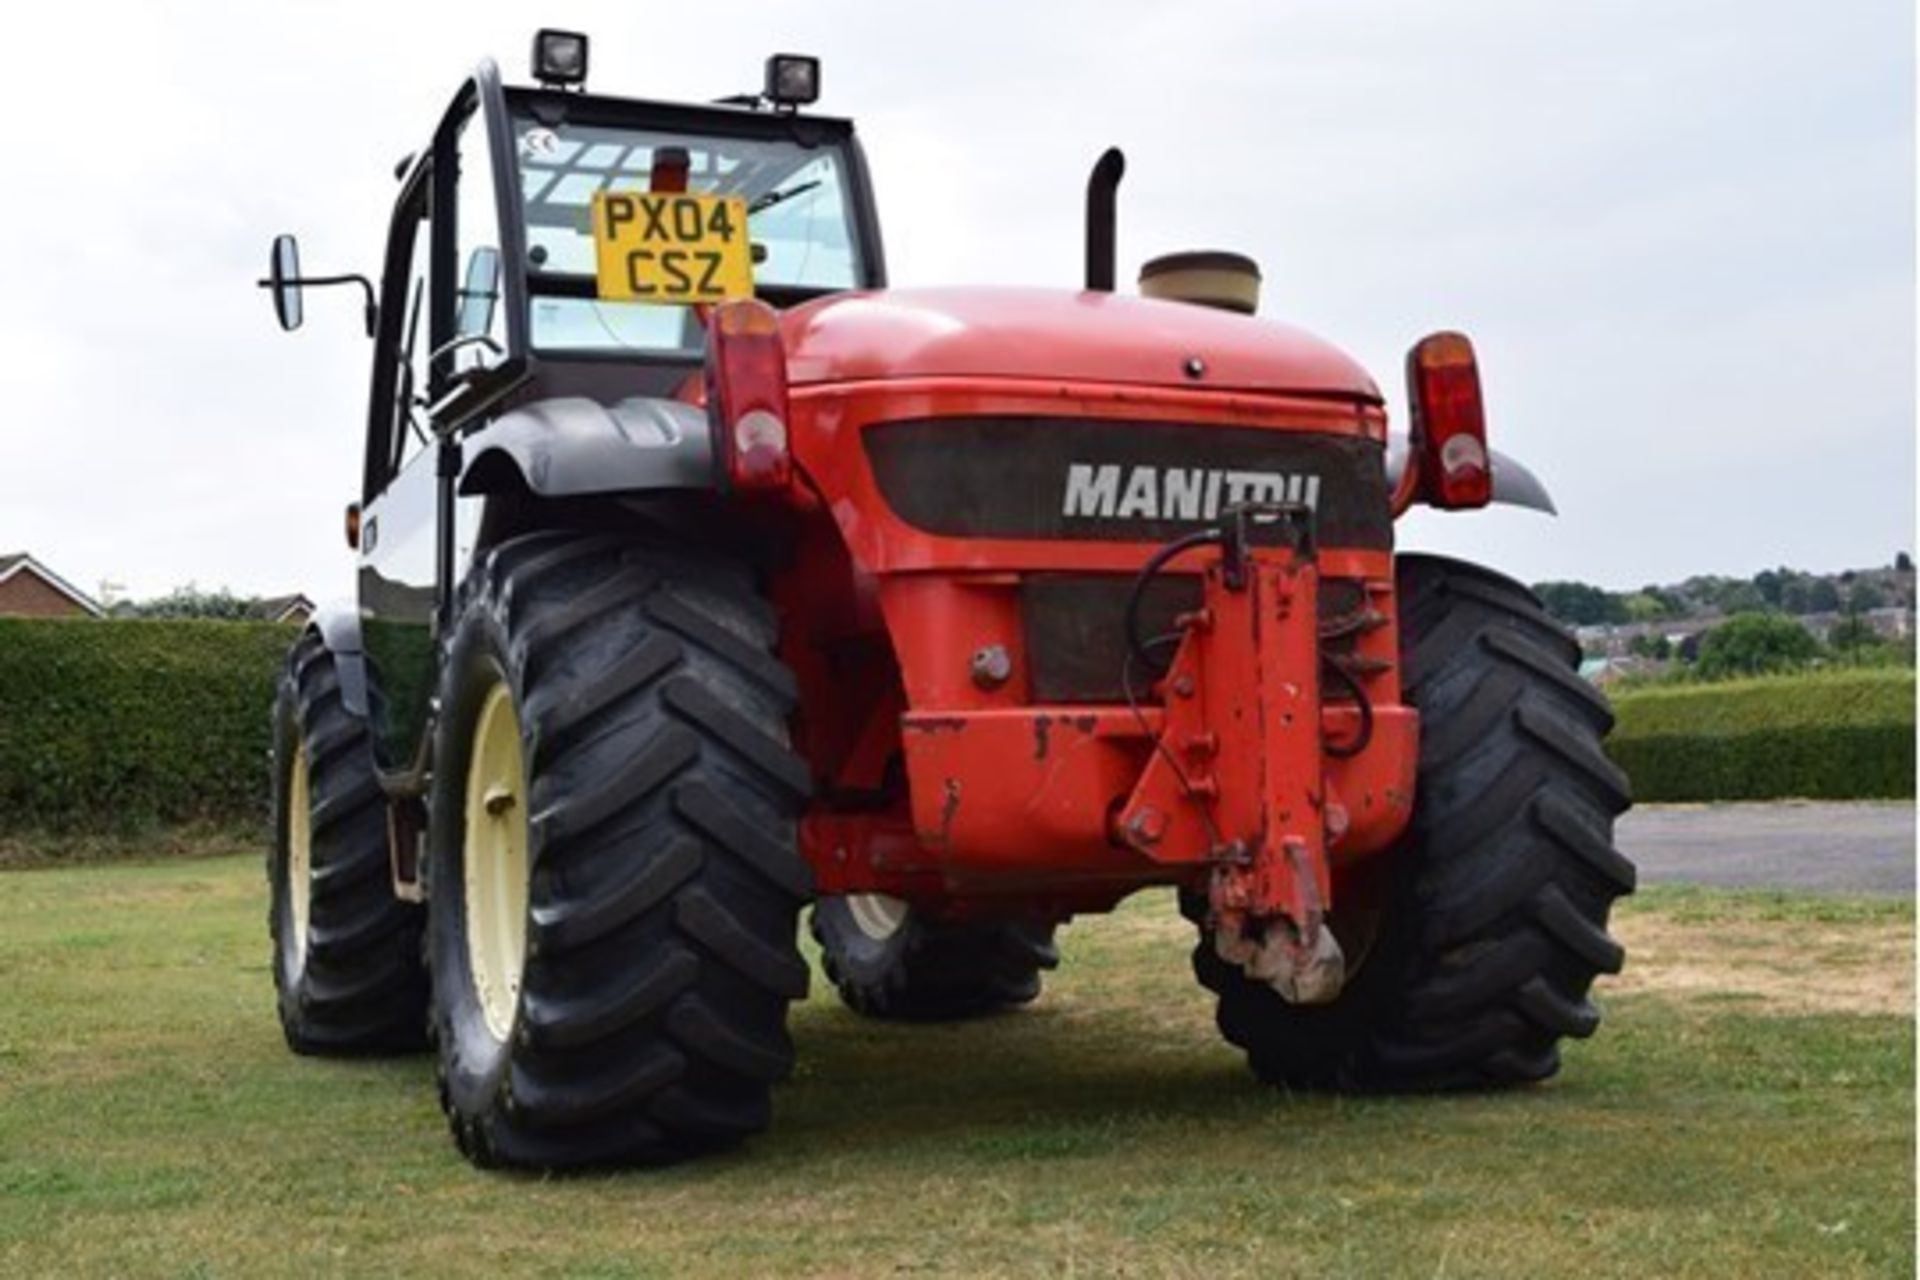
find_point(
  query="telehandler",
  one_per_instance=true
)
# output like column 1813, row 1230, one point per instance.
column 704, row 578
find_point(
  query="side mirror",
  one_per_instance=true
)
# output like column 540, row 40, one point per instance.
column 287, row 285
column 479, row 293
column 283, row 277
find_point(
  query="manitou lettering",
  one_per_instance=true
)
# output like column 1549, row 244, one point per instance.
column 1113, row 492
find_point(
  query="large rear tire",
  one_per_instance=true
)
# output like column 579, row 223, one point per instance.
column 888, row 961
column 346, row 952
column 1494, row 924
column 614, row 876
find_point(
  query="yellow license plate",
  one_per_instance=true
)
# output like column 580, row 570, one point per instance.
column 681, row 249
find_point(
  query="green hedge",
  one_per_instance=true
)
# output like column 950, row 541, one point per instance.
column 117, row 725
column 111, row 726
column 1843, row 735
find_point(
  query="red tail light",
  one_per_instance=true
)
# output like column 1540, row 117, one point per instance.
column 747, row 394
column 1449, row 422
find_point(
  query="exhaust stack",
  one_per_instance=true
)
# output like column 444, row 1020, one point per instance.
column 1101, row 185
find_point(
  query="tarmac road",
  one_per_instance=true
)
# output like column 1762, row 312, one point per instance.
column 1834, row 848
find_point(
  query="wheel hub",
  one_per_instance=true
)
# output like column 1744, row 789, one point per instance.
column 878, row 915
column 494, row 861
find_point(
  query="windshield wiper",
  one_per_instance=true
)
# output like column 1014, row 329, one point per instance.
column 773, row 198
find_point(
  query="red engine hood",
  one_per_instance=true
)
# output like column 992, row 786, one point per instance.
column 1055, row 334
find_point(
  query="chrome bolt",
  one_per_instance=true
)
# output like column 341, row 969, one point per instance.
column 991, row 666
column 1147, row 826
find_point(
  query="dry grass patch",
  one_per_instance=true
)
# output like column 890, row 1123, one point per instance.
column 1771, row 966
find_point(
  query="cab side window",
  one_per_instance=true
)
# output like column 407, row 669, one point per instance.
column 412, row 387
column 397, row 421
column 477, row 311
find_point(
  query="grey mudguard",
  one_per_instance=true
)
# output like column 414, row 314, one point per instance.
column 572, row 445
column 1513, row 484
column 338, row 623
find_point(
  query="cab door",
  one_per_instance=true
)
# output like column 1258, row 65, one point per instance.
column 397, row 583
column 442, row 363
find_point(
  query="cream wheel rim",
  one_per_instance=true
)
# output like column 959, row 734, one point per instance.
column 299, row 857
column 878, row 915
column 494, row 859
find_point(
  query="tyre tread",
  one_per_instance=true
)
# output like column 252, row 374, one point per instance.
column 1509, row 865
column 362, row 988
column 666, row 874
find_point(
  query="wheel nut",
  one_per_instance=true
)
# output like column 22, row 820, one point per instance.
column 991, row 666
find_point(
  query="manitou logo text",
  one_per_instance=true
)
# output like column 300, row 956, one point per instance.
column 1114, row 492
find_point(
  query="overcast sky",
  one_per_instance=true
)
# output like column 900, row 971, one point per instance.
column 1681, row 233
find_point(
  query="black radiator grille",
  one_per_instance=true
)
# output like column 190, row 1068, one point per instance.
column 1120, row 480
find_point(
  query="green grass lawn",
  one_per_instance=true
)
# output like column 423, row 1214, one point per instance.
column 1736, row 1123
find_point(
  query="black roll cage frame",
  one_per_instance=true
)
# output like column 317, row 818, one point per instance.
column 458, row 402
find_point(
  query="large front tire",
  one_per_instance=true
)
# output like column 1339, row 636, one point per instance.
column 1494, row 924
column 886, row 960
column 346, row 952
column 613, row 875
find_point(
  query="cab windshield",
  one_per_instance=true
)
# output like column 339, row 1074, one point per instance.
column 799, row 217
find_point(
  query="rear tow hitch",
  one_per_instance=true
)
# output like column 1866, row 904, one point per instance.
column 1247, row 672
column 1303, row 963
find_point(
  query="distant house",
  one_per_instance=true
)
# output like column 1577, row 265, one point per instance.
column 28, row 589
column 1891, row 623
column 1615, row 640
column 1604, row 671
column 294, row 609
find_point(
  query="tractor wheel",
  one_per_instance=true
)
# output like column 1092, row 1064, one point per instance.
column 346, row 952
column 1494, row 923
column 886, row 961
column 614, row 881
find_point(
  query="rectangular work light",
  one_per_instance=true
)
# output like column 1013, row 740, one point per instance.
column 793, row 79
column 559, row 57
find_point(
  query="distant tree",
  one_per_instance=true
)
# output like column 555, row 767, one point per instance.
column 1689, row 648
column 1651, row 645
column 1797, row 595
column 1770, row 582
column 1672, row 603
column 189, row 602
column 1864, row 596
column 1641, row 607
column 1705, row 589
column 1749, row 644
column 1852, row 634
column 1822, row 596
column 1579, row 603
column 1699, row 593
column 1741, row 597
column 1902, row 562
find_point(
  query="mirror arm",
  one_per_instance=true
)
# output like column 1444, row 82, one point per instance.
column 366, row 287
